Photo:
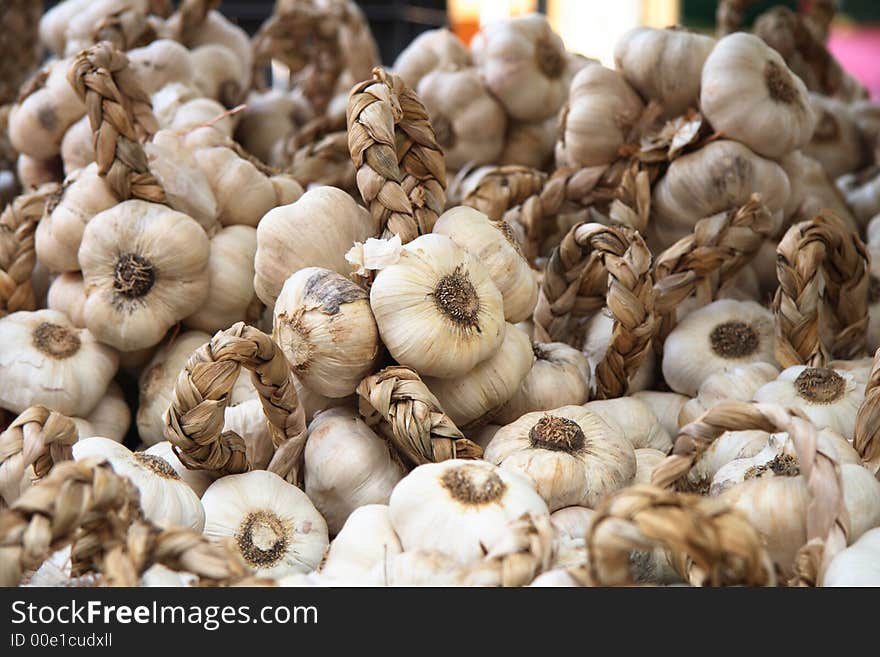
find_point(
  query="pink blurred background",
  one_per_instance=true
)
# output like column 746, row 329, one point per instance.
column 858, row 50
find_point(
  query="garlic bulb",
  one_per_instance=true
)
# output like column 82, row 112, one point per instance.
column 46, row 360
column 634, row 420
column 244, row 194
column 195, row 113
column 145, row 268
column 720, row 176
column 248, row 420
column 858, row 565
column 560, row 376
column 494, row 245
column 437, row 309
column 67, row 294
column 198, row 480
column 647, row 460
column 570, row 454
column 601, row 110
column 749, row 94
column 159, row 575
column 347, row 466
column 77, row 151
column 429, row 51
column 164, row 498
column 862, row 193
column 274, row 526
column 32, row 172
column 666, row 407
column 468, row 122
column 811, row 191
column 459, row 507
column 319, row 243
column 739, row 382
column 728, row 447
column 597, row 337
column 231, row 294
column 570, row 526
column 474, row 398
column 664, row 65
column 523, row 63
column 59, row 234
column 156, row 383
column 777, row 507
column 217, row 29
column 830, row 398
column 724, row 334
column 218, row 73
column 324, row 326
column 160, row 63
column 269, row 117
column 111, row 417
column 365, row 540
column 836, row 142
column 529, row 144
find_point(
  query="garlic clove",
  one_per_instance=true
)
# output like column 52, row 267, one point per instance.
column 858, row 565
column 634, row 420
column 274, row 526
column 666, row 407
column 365, row 540
column 429, row 51
column 198, row 480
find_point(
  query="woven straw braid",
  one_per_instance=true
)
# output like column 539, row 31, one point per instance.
column 401, row 173
column 17, row 257
column 866, row 439
column 520, row 555
column 827, row 517
column 19, row 44
column 705, row 260
column 125, row 29
column 710, row 544
column 595, row 266
column 194, row 421
column 820, row 261
column 400, row 407
column 495, row 190
column 304, row 35
column 120, row 116
column 318, row 154
column 38, row 437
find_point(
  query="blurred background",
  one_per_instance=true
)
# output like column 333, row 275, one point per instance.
column 591, row 27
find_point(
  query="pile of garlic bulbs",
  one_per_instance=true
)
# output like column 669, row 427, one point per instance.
column 509, row 317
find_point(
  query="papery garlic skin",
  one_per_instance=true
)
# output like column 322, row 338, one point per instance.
column 198, row 480
column 558, row 577
column 474, row 398
column 429, row 51
column 571, row 455
column 730, row 446
column 830, row 398
column 559, row 376
column 67, row 294
column 164, row 497
column 457, row 507
column 111, row 417
column 836, row 142
column 749, row 94
column 365, row 540
column 858, row 565
column 647, row 460
column 437, row 309
column 145, row 267
column 570, row 527
column 347, row 466
column 320, row 243
column 739, row 382
column 162, row 62
column 46, row 360
column 159, row 575
column 248, row 420
column 494, row 245
column 634, row 420
column 325, row 327
column 666, row 407
column 77, row 151
column 276, row 529
column 724, row 334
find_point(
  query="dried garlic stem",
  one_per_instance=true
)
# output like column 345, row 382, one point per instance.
column 194, row 421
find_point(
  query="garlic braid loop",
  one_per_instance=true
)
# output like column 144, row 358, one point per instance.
column 827, row 518
column 866, row 439
column 594, row 266
column 524, row 551
column 126, row 29
column 318, row 154
column 39, row 437
column 397, row 403
column 194, row 421
column 702, row 262
column 17, row 257
column 494, row 190
column 822, row 246
column 710, row 543
column 401, row 173
column 121, row 117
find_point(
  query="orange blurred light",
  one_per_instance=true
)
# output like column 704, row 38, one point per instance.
column 466, row 16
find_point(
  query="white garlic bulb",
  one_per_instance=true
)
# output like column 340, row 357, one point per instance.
column 111, row 417
column 164, row 497
column 836, row 142
column 666, row 407
column 198, row 480
column 749, row 94
column 67, row 294
column 858, row 565
column 473, row 399
column 647, row 460
column 274, row 526
column 459, row 507
column 730, row 446
column 494, row 245
column 830, row 398
column 437, row 309
column 365, row 540
column 347, row 466
column 429, row 51
column 325, row 327
column 248, row 420
column 724, row 334
column 46, row 360
column 634, row 420
column 572, row 456
column 739, row 382
column 560, row 376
